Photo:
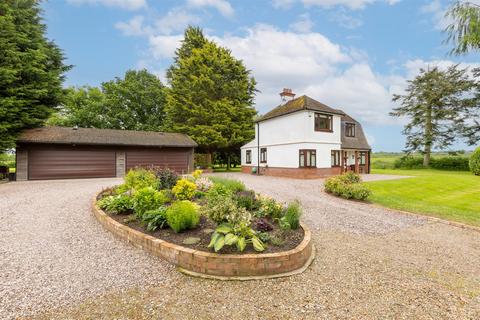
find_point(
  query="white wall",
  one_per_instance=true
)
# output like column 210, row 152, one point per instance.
column 286, row 156
column 284, row 136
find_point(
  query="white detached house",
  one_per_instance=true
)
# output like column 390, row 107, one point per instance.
column 304, row 138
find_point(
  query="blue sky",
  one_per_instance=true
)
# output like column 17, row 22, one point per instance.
column 350, row 54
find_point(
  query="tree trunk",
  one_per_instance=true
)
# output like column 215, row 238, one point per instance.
column 428, row 137
column 228, row 162
column 209, row 159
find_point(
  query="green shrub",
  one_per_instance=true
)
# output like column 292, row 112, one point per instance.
column 408, row 162
column 140, row 178
column 474, row 162
column 155, row 219
column 148, row 199
column 222, row 210
column 230, row 184
column 269, row 208
column 184, row 189
column 247, row 199
column 218, row 191
column 337, row 186
column 183, row 215
column 456, row 163
column 292, row 215
column 350, row 177
column 116, row 204
column 166, row 177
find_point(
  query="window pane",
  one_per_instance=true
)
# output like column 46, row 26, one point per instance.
column 302, row 159
column 314, row 160
column 308, row 159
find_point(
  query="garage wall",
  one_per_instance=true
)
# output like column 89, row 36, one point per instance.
column 112, row 161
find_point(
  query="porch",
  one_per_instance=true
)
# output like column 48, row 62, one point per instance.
column 357, row 161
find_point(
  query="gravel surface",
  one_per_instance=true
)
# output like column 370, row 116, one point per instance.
column 56, row 262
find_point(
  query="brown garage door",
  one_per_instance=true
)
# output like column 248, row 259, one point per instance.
column 70, row 162
column 175, row 159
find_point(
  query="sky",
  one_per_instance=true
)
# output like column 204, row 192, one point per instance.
column 349, row 54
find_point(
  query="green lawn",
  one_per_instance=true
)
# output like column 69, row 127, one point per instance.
column 224, row 169
column 448, row 195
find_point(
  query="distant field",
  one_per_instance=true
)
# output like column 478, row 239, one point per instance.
column 385, row 160
column 450, row 195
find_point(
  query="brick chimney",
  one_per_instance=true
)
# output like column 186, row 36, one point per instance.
column 287, row 95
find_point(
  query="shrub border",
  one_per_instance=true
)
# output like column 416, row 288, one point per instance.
column 213, row 265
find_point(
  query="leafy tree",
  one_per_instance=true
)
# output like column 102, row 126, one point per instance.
column 133, row 103
column 211, row 95
column 436, row 103
column 31, row 70
column 83, row 107
column 464, row 31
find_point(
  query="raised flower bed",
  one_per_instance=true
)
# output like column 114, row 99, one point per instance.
column 206, row 226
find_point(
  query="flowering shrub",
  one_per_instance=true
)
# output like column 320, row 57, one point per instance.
column 269, row 208
column 203, row 184
column 184, row 189
column 343, row 186
column 196, row 174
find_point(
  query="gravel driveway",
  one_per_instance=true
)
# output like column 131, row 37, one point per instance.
column 57, row 262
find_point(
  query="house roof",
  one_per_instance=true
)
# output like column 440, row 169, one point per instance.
column 357, row 142
column 93, row 136
column 297, row 104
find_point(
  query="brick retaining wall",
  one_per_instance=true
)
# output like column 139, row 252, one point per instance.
column 213, row 265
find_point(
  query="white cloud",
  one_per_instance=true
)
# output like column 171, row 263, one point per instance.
column 351, row 4
column 345, row 20
column 303, row 24
column 175, row 20
column 222, row 6
column 124, row 4
column 134, row 27
column 438, row 10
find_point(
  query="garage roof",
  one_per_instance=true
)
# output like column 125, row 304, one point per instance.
column 93, row 136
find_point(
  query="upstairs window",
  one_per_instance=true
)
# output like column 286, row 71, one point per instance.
column 248, row 157
column 307, row 159
column 350, row 129
column 335, row 158
column 323, row 122
column 263, row 155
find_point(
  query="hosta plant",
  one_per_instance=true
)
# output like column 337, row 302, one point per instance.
column 155, row 219
column 116, row 204
column 235, row 235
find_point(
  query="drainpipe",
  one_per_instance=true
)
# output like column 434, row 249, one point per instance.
column 258, row 148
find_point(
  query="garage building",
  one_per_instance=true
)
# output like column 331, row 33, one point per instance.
column 67, row 153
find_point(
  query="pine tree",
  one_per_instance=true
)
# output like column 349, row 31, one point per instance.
column 436, row 103
column 31, row 70
column 211, row 95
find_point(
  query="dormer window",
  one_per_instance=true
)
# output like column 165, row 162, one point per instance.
column 350, row 129
column 323, row 122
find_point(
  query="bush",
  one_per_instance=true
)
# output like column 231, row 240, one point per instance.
column 196, row 174
column 182, row 215
column 203, row 184
column 450, row 163
column 247, row 200
column 232, row 185
column 292, row 215
column 218, row 191
column 184, row 189
column 166, row 177
column 350, row 177
column 140, row 178
column 148, row 199
column 222, row 210
column 474, row 162
column 337, row 186
column 155, row 219
column 116, row 204
column 269, row 208
column 408, row 162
